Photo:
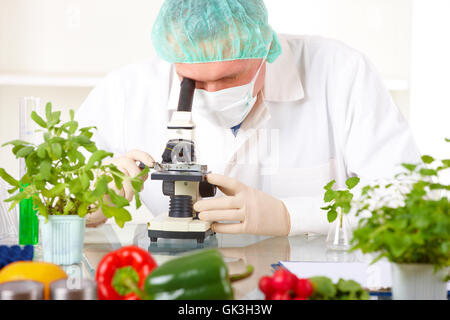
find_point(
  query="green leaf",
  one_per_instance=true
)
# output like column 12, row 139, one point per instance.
column 56, row 150
column 9, row 179
column 82, row 210
column 18, row 197
column 352, row 182
column 69, row 207
column 48, row 111
column 330, row 185
column 143, row 172
column 16, row 143
column 85, row 182
column 36, row 118
column 17, row 149
column 323, row 287
column 101, row 187
column 75, row 186
column 365, row 190
column 348, row 285
column 137, row 200
column 45, row 169
column 57, row 190
column 72, row 114
column 41, row 208
column 364, row 295
column 42, row 150
column 22, row 153
column 70, row 126
column 329, row 195
column 332, row 215
column 82, row 140
column 427, row 159
column 428, row 172
column 87, row 131
column 11, row 191
column 120, row 215
column 90, row 175
column 446, row 162
column 54, row 119
column 137, row 185
column 118, row 200
column 97, row 157
column 410, row 167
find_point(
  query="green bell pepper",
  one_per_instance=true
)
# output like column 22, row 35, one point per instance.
column 202, row 275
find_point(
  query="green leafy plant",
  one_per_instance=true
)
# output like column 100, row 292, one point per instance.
column 339, row 199
column 325, row 289
column 59, row 178
column 409, row 219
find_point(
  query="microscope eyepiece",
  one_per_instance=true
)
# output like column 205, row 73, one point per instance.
column 186, row 95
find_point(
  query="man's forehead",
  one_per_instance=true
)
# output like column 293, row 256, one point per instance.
column 213, row 71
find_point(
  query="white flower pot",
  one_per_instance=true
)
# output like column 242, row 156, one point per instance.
column 418, row 282
column 62, row 239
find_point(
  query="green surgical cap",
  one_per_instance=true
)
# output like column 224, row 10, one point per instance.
column 199, row 31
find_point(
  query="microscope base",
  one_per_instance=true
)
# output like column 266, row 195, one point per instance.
column 154, row 235
column 179, row 228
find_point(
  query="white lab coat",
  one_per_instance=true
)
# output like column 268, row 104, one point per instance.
column 326, row 115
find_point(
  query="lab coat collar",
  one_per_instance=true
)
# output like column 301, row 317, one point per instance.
column 282, row 83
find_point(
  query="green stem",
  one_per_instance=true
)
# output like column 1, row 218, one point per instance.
column 133, row 286
column 241, row 276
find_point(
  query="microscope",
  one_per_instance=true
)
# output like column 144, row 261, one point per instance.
column 183, row 180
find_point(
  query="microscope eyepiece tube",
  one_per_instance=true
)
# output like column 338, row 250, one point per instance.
column 186, row 95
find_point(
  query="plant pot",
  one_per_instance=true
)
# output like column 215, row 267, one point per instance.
column 62, row 239
column 418, row 282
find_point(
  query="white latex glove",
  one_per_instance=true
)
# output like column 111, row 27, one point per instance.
column 127, row 165
column 255, row 211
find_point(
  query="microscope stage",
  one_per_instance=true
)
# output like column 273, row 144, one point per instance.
column 178, row 228
column 178, row 224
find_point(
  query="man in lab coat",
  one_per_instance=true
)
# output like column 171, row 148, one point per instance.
column 277, row 117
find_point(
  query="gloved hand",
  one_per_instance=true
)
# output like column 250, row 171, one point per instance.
column 256, row 211
column 127, row 165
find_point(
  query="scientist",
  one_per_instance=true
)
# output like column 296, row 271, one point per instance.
column 277, row 117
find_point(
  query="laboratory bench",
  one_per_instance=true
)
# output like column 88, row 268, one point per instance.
column 262, row 252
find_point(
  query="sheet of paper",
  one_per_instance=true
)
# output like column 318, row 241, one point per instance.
column 372, row 277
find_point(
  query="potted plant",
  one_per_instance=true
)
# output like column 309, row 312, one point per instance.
column 339, row 204
column 409, row 224
column 65, row 185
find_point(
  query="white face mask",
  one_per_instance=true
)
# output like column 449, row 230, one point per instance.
column 229, row 107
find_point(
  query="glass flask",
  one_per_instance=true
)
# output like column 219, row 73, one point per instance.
column 340, row 233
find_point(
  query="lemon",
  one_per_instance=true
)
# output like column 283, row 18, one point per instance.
column 42, row 272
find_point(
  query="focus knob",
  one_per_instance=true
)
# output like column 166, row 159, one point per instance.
column 207, row 190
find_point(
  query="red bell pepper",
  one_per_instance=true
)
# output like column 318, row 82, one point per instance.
column 132, row 256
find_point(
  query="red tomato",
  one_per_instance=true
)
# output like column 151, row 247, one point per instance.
column 265, row 285
column 280, row 296
column 131, row 296
column 303, row 288
column 283, row 281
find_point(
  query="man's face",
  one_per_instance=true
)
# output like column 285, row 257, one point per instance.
column 215, row 76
